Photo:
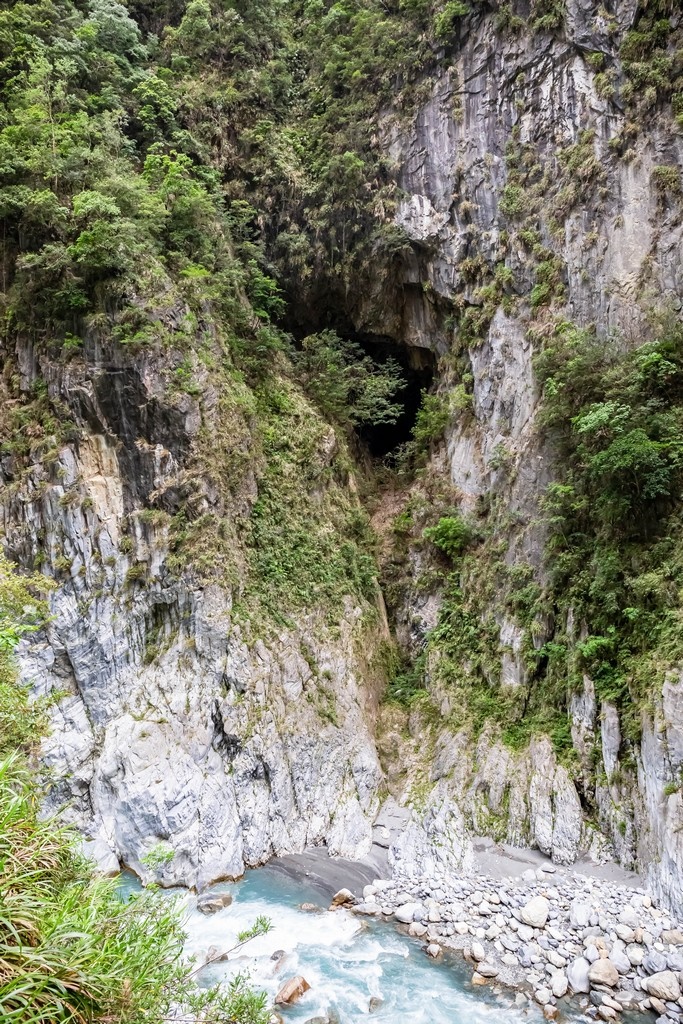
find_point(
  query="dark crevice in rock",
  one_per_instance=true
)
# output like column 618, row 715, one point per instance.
column 226, row 744
column 418, row 366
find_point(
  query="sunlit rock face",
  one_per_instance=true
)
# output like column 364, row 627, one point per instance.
column 172, row 732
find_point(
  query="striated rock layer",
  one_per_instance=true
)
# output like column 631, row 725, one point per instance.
column 189, row 746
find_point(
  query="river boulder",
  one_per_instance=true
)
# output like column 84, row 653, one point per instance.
column 664, row 985
column 213, row 902
column 292, row 990
column 535, row 912
column 405, row 914
column 343, row 898
column 603, row 972
column 577, row 975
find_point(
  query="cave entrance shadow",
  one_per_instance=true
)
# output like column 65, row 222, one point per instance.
column 418, row 366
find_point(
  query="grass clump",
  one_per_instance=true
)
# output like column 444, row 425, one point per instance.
column 452, row 534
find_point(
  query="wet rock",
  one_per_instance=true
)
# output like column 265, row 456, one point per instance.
column 343, row 898
column 374, row 1004
column 215, row 956
column 292, row 990
column 433, row 950
column 367, row 909
column 310, row 908
column 211, row 903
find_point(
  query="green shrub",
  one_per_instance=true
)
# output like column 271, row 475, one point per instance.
column 547, row 15
column 667, row 180
column 452, row 534
column 445, row 20
column 346, row 383
column 407, row 681
column 513, row 201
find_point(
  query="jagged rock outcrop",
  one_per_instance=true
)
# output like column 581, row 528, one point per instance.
column 186, row 744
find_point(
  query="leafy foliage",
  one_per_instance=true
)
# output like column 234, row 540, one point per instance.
column 347, row 384
column 451, row 535
column 432, row 419
column 615, row 546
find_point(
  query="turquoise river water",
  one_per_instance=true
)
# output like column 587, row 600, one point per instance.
column 346, row 960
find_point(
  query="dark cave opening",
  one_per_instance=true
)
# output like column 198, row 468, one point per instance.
column 418, row 367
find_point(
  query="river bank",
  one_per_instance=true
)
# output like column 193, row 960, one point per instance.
column 590, row 931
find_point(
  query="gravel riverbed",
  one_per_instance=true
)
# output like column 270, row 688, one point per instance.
column 549, row 934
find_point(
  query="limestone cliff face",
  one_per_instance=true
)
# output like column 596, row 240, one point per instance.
column 517, row 132
column 184, row 733
column 177, row 731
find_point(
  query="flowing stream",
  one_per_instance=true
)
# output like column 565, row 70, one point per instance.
column 345, row 959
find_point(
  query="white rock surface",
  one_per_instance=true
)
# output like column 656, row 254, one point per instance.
column 535, row 912
column 577, row 975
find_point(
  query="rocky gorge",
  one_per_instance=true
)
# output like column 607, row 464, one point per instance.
column 262, row 636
